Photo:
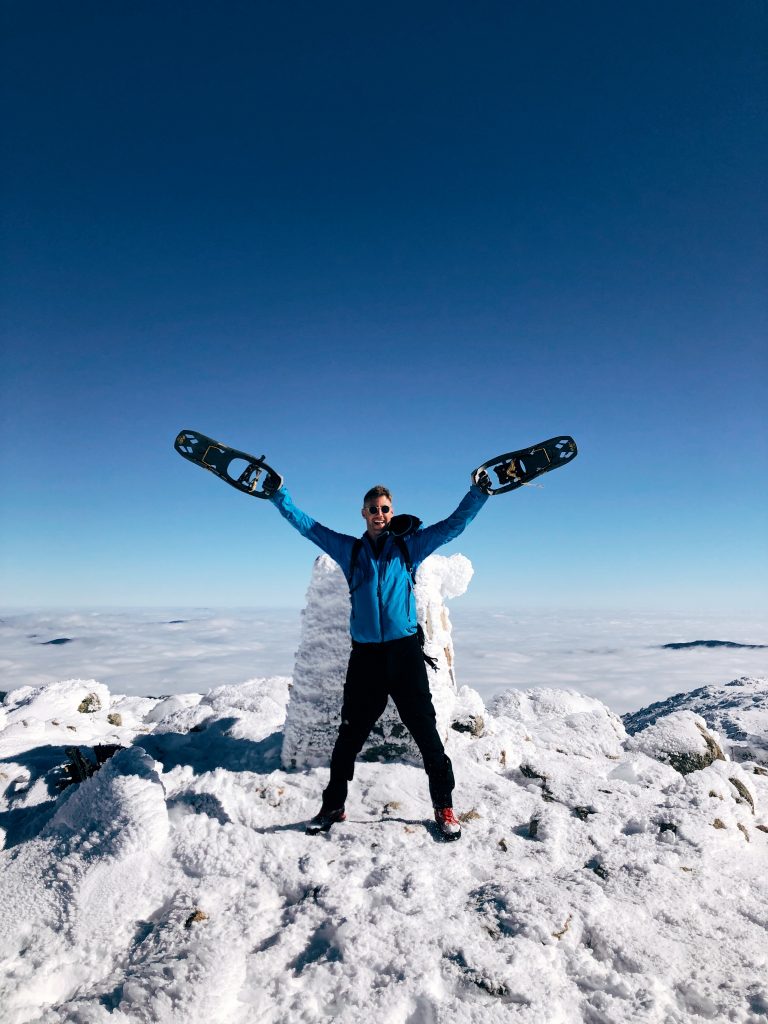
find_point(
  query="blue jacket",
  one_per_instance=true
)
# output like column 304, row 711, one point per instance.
column 383, row 607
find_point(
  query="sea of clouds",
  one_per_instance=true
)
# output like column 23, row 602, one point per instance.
column 615, row 657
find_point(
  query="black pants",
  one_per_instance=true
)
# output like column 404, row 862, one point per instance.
column 376, row 671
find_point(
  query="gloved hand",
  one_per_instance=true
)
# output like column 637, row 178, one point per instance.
column 272, row 484
column 481, row 479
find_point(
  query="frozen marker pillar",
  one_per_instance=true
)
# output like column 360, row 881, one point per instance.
column 314, row 706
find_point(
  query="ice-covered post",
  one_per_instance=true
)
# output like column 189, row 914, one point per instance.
column 312, row 718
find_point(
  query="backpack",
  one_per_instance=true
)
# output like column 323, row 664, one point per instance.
column 400, row 527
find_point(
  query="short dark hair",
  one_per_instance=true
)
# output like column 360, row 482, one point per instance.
column 379, row 491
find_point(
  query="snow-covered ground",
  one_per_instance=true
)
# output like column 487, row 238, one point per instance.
column 601, row 877
column 593, row 882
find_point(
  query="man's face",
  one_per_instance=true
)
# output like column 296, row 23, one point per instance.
column 377, row 513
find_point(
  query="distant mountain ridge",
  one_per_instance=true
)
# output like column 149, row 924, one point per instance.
column 689, row 644
column 737, row 710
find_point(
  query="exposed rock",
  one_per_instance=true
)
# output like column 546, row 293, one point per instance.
column 561, row 932
column 81, row 765
column 530, row 773
column 478, row 976
column 583, row 813
column 115, row 718
column 89, row 704
column 469, row 713
column 195, row 918
column 599, row 869
column 743, row 792
column 473, row 724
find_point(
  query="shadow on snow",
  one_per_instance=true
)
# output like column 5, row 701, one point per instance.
column 203, row 751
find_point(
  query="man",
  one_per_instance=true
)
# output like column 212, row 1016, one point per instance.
column 386, row 658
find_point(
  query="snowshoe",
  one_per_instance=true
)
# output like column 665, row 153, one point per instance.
column 220, row 459
column 517, row 468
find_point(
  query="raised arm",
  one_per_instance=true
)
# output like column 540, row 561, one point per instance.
column 337, row 545
column 432, row 537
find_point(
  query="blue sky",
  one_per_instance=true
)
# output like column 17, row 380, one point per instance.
column 382, row 244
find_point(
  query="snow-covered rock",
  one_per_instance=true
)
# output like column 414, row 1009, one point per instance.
column 738, row 711
column 680, row 739
column 562, row 720
column 65, row 701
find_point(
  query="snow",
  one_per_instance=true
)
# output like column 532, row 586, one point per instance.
column 594, row 881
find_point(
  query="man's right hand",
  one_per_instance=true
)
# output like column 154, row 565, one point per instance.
column 272, row 484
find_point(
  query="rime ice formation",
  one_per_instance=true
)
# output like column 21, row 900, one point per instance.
column 321, row 661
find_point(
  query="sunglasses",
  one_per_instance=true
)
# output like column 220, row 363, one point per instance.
column 373, row 509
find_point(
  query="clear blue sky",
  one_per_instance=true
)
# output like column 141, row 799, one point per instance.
column 382, row 243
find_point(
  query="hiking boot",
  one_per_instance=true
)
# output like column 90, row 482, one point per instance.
column 323, row 821
column 448, row 823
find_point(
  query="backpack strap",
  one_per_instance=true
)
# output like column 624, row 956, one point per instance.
column 400, row 541
column 356, row 549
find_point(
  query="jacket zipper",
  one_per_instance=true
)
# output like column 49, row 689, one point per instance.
column 378, row 589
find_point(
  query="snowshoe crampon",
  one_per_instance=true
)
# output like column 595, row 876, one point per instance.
column 517, row 468
column 243, row 471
